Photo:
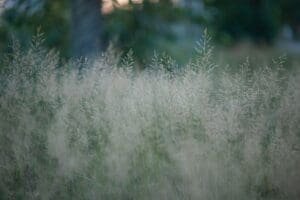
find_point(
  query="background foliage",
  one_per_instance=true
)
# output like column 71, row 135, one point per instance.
column 163, row 26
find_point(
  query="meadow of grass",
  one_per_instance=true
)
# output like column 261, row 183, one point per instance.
column 107, row 131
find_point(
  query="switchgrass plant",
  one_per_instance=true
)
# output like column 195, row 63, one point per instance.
column 108, row 132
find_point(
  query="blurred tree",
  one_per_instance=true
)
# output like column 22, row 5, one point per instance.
column 291, row 15
column 22, row 18
column 139, row 26
column 258, row 20
column 87, row 27
column 147, row 26
column 73, row 27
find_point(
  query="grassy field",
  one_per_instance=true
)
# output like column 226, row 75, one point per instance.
column 109, row 132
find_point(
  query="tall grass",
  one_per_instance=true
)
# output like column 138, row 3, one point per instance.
column 201, row 132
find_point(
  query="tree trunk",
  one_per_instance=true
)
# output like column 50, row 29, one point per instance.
column 86, row 28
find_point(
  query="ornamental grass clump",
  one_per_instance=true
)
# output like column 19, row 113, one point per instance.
column 107, row 131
